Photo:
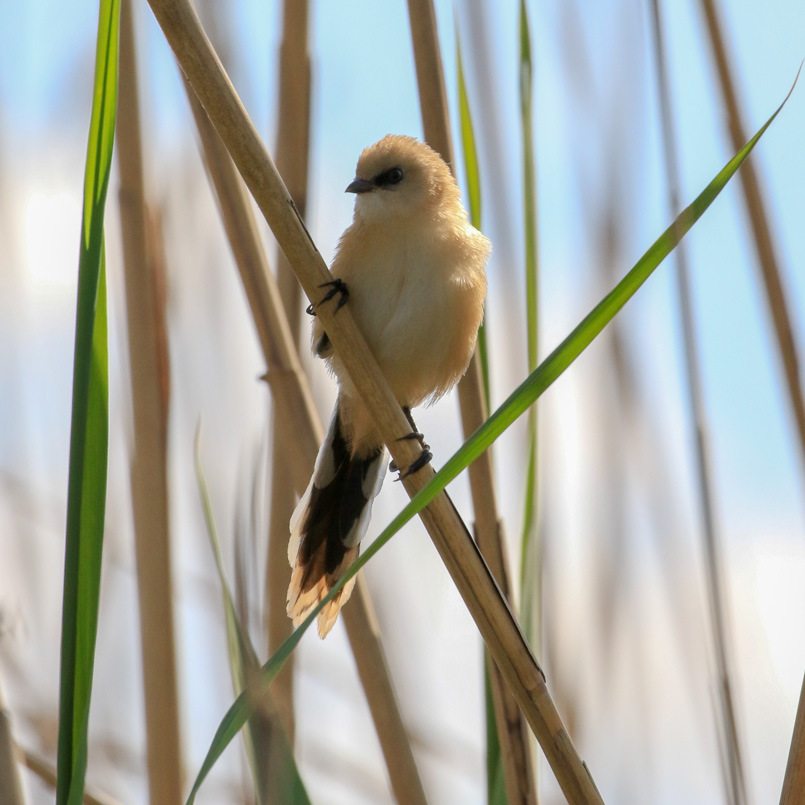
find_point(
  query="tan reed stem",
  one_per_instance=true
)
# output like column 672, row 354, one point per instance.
column 515, row 752
column 768, row 262
column 293, row 139
column 735, row 779
column 459, row 552
column 794, row 782
column 148, row 360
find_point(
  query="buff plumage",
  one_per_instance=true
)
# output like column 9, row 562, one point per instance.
column 414, row 268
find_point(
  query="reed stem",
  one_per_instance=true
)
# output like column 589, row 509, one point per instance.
column 148, row 361
column 515, row 753
column 293, row 140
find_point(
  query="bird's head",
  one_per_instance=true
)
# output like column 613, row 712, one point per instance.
column 400, row 177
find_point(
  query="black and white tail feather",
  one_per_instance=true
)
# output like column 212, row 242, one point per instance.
column 329, row 523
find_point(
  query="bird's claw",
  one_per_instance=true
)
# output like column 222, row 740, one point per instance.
column 424, row 458
column 420, row 437
column 336, row 286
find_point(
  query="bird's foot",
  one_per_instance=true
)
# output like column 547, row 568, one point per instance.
column 336, row 286
column 420, row 437
column 424, row 458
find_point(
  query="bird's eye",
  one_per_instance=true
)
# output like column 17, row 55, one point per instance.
column 395, row 176
column 389, row 177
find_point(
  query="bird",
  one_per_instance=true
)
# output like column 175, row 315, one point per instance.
column 412, row 269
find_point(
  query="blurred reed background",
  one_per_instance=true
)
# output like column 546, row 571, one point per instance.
column 663, row 585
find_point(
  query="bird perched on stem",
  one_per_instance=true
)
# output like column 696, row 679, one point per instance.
column 412, row 270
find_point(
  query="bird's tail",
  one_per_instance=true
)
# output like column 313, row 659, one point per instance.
column 328, row 524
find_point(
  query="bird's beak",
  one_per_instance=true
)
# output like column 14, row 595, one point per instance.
column 360, row 186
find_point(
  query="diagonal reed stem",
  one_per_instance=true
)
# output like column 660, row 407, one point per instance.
column 148, row 361
column 794, row 782
column 735, row 778
column 764, row 244
column 515, row 753
column 472, row 576
column 296, row 415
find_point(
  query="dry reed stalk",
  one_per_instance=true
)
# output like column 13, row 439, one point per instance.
column 10, row 785
column 278, row 576
column 794, row 782
column 296, row 414
column 459, row 552
column 363, row 632
column 293, row 140
column 46, row 772
column 758, row 218
column 148, row 360
column 515, row 752
column 735, row 778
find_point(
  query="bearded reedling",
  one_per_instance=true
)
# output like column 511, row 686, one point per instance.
column 412, row 269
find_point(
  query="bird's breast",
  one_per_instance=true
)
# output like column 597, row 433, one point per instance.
column 419, row 305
